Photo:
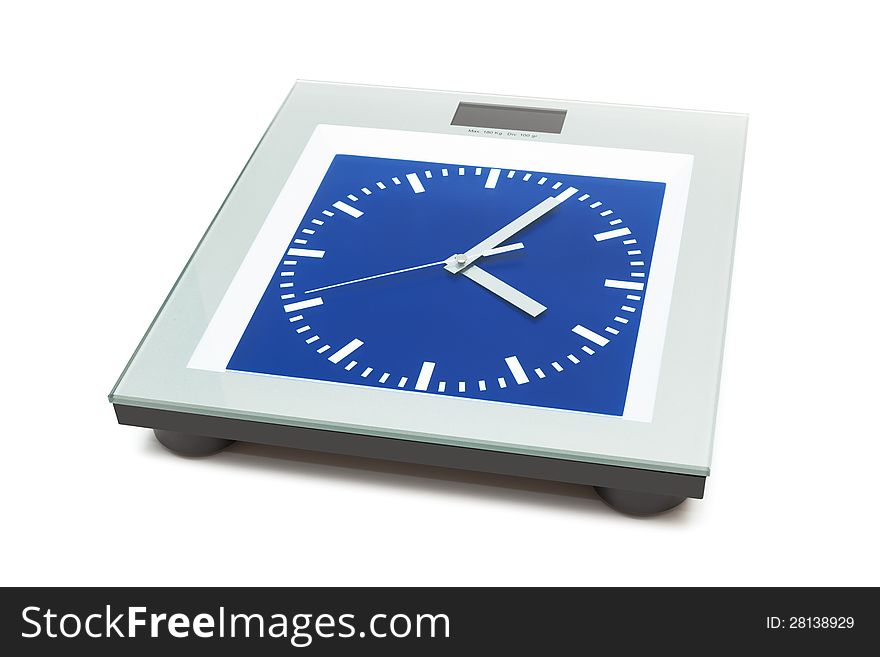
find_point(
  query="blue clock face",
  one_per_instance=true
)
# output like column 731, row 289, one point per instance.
column 523, row 287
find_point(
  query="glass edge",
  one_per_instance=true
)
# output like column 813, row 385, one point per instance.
column 158, row 314
column 584, row 457
column 743, row 115
column 730, row 274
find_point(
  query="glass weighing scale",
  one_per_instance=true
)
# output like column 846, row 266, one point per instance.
column 528, row 287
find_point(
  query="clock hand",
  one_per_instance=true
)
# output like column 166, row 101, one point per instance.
column 503, row 290
column 516, row 246
column 459, row 261
column 490, row 252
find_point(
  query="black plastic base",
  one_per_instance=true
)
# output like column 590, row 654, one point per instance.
column 190, row 445
column 193, row 434
column 636, row 503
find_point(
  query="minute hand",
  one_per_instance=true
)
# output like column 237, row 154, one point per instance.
column 505, row 233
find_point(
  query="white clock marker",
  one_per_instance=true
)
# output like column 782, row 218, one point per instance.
column 624, row 285
column 402, row 382
column 305, row 253
column 592, row 336
column 347, row 209
column 492, row 179
column 611, row 234
column 345, row 351
column 425, row 375
column 415, row 183
column 301, row 305
column 516, row 368
column 384, row 377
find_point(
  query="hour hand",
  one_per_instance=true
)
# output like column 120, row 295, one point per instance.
column 500, row 288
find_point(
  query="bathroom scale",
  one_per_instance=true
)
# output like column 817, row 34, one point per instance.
column 512, row 285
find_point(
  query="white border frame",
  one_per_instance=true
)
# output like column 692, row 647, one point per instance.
column 674, row 169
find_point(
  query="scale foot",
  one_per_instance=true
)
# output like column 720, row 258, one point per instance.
column 186, row 444
column 637, row 503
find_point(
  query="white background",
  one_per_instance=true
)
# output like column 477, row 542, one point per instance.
column 122, row 130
